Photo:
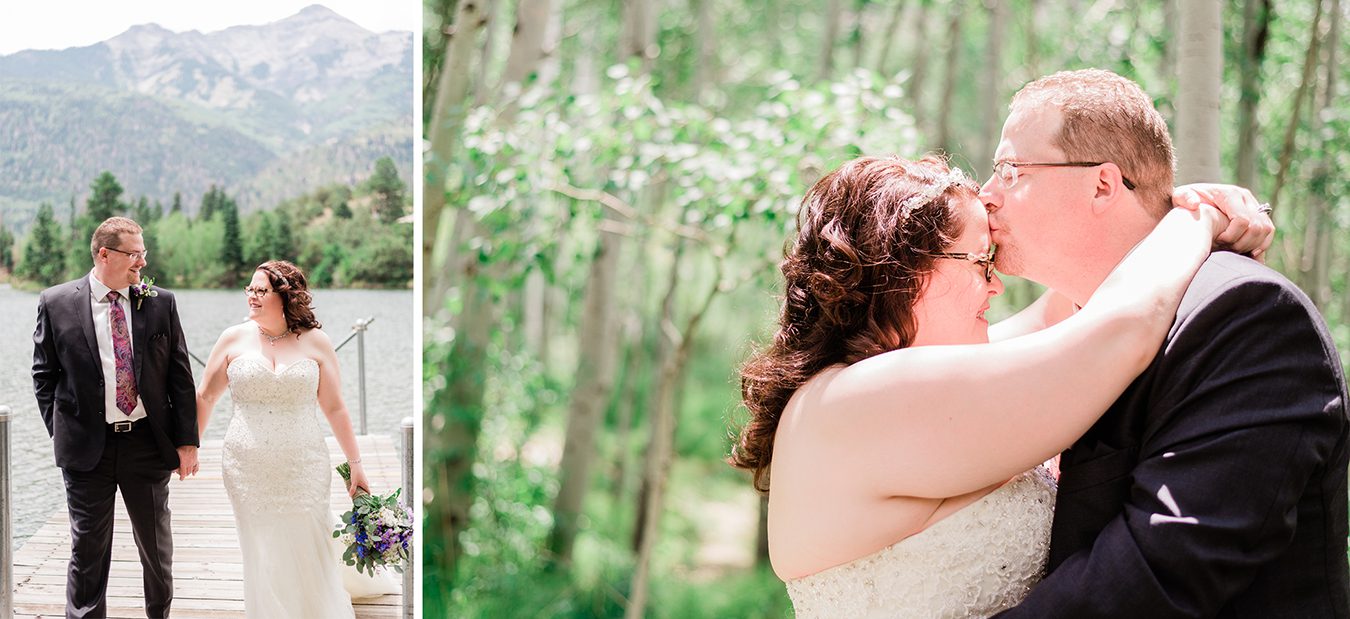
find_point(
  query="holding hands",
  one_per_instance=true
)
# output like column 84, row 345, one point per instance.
column 1250, row 229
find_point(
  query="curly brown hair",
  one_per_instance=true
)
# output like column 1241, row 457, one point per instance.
column 289, row 283
column 857, row 266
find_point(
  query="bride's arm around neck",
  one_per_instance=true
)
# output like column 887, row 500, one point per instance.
column 943, row 421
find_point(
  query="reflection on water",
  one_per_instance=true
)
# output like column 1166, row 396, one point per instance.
column 36, row 482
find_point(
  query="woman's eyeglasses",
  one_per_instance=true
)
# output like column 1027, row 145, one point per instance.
column 984, row 259
column 260, row 293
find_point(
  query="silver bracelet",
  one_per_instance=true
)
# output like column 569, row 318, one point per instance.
column 356, row 461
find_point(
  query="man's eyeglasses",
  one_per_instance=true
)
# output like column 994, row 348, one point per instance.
column 1006, row 171
column 261, row 293
column 134, row 255
column 985, row 259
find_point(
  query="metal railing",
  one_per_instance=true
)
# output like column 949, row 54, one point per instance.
column 359, row 333
column 6, row 521
column 409, row 492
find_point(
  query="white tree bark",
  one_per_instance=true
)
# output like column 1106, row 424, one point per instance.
column 994, row 99
column 527, row 42
column 1199, row 77
column 451, row 97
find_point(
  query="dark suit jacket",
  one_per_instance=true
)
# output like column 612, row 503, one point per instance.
column 1216, row 485
column 68, row 377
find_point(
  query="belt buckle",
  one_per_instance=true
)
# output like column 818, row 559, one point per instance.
column 122, row 426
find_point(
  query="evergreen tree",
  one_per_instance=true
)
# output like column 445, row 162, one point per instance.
column 177, row 203
column 285, row 248
column 43, row 255
column 232, row 250
column 6, row 249
column 261, row 244
column 342, row 210
column 104, row 199
column 387, row 190
column 212, row 202
column 143, row 214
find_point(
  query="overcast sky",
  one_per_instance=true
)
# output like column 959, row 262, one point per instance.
column 58, row 24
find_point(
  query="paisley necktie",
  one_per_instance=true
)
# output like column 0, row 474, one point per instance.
column 126, row 376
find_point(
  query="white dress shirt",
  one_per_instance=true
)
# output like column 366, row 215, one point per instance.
column 98, row 301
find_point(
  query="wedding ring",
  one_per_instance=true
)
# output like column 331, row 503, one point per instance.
column 1264, row 208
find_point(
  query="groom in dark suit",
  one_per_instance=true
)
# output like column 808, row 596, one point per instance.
column 1216, row 485
column 113, row 384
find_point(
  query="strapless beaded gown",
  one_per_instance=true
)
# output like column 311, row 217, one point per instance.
column 277, row 474
column 976, row 562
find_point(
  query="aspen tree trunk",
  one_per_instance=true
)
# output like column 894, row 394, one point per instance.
column 454, row 418
column 762, row 533
column 550, row 64
column 446, row 119
column 832, row 16
column 1291, row 254
column 890, row 34
column 595, row 360
column 1199, row 83
column 1034, row 17
column 855, row 36
column 1168, row 62
column 594, row 379
column 661, row 451
column 1255, row 33
column 528, row 43
column 994, row 99
column 919, row 66
column 1318, row 258
column 944, row 137
column 660, row 357
column 480, row 82
column 705, row 41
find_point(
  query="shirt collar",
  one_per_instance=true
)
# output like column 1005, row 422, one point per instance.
column 100, row 290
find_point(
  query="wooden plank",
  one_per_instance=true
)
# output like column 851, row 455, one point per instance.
column 208, row 575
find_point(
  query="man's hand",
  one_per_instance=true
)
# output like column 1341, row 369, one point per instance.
column 1250, row 229
column 187, row 461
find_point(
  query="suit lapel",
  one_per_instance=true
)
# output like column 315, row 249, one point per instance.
column 85, row 314
column 138, row 329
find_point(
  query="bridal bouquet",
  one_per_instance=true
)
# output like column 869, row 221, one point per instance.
column 377, row 530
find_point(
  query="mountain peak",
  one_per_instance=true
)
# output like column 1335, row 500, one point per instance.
column 317, row 10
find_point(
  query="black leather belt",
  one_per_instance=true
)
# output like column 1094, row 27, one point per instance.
column 124, row 426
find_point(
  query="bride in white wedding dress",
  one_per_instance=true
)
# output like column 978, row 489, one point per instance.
column 903, row 447
column 279, row 367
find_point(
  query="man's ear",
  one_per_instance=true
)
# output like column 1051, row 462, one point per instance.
column 1108, row 187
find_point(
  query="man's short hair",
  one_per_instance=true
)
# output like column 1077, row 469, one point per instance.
column 109, row 233
column 1109, row 118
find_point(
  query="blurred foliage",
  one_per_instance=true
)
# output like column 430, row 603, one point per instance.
column 703, row 159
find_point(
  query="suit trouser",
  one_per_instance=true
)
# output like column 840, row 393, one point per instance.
column 130, row 463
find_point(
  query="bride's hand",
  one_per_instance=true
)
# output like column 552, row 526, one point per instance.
column 1250, row 229
column 358, row 480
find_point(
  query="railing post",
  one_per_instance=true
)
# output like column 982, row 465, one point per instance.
column 360, row 329
column 409, row 491
column 6, row 521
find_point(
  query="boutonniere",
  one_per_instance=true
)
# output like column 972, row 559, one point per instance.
column 143, row 290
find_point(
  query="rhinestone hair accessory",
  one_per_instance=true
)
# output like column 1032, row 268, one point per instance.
column 932, row 190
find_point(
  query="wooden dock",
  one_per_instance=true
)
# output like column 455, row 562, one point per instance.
column 208, row 574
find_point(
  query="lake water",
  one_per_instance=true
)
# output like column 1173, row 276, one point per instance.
column 36, row 482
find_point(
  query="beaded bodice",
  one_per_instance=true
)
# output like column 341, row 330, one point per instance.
column 978, row 561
